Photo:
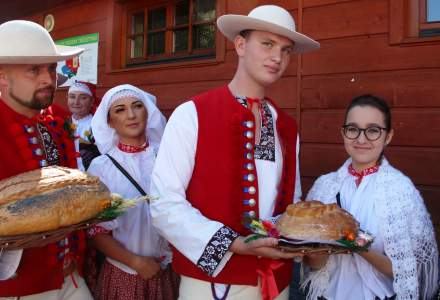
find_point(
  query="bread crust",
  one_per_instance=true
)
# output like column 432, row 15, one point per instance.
column 49, row 198
column 313, row 220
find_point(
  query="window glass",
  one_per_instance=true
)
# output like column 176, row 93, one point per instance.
column 180, row 40
column 157, row 18
column 137, row 23
column 137, row 46
column 156, row 43
column 189, row 32
column 203, row 36
column 433, row 10
column 204, row 10
column 181, row 13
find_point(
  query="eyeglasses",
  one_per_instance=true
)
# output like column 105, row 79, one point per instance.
column 372, row 133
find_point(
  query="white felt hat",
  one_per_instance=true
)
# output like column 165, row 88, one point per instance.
column 269, row 18
column 25, row 42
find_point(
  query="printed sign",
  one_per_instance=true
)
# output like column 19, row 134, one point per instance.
column 84, row 67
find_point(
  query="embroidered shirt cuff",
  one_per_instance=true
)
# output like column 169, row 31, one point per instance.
column 95, row 230
column 274, row 219
column 216, row 250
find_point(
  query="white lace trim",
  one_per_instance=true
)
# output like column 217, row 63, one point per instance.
column 317, row 281
column 409, row 238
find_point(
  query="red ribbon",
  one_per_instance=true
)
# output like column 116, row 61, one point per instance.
column 132, row 149
column 269, row 288
column 360, row 175
column 259, row 107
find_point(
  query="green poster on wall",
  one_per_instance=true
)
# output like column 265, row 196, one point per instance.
column 84, row 67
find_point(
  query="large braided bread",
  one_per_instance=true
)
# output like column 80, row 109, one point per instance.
column 49, row 198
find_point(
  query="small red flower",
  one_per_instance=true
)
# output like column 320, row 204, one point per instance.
column 268, row 225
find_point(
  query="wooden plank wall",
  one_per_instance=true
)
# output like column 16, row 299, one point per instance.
column 355, row 58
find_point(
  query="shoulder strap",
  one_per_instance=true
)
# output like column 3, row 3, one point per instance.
column 123, row 171
column 338, row 199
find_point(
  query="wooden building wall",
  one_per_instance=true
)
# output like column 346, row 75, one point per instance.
column 356, row 56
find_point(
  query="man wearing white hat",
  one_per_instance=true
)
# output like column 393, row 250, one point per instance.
column 227, row 157
column 30, row 140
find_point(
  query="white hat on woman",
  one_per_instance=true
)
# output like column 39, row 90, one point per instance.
column 269, row 18
column 106, row 137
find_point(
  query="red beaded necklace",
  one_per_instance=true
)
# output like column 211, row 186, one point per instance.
column 131, row 148
column 360, row 175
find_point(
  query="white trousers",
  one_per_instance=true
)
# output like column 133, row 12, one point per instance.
column 67, row 292
column 194, row 289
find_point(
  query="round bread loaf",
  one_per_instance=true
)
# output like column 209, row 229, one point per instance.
column 49, row 198
column 313, row 220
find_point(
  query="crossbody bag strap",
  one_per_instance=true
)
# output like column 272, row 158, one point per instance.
column 338, row 199
column 126, row 174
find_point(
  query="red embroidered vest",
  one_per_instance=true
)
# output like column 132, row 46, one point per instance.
column 40, row 269
column 224, row 180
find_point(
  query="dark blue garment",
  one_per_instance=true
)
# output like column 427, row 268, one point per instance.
column 295, row 293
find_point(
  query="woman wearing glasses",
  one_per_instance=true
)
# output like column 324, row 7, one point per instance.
column 402, row 261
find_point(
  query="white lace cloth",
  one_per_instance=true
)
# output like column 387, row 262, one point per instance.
column 404, row 226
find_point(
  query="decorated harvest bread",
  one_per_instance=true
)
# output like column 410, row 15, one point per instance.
column 312, row 220
column 49, row 198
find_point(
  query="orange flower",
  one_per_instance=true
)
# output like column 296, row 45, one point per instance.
column 351, row 236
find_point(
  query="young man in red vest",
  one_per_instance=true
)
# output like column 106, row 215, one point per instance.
column 227, row 157
column 30, row 140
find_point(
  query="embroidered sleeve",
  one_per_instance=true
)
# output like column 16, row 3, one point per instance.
column 95, row 230
column 274, row 219
column 216, row 249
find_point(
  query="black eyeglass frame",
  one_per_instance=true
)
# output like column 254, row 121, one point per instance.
column 344, row 127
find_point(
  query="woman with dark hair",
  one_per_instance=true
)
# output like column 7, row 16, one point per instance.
column 128, row 128
column 402, row 262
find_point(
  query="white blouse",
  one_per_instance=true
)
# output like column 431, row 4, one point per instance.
column 134, row 228
column 83, row 125
column 351, row 276
column 177, row 220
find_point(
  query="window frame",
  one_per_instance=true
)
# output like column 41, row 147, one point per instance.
column 144, row 7
column 423, row 23
column 407, row 20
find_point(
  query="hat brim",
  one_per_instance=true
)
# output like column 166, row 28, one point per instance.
column 62, row 53
column 232, row 25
